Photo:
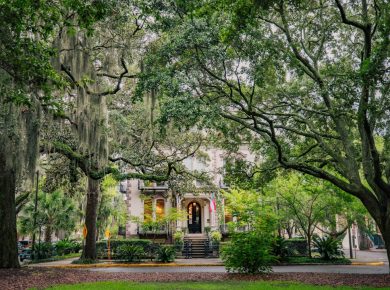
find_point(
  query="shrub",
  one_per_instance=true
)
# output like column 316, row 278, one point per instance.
column 151, row 251
column 43, row 250
column 166, row 254
column 178, row 237
column 216, row 237
column 65, row 247
column 280, row 248
column 101, row 246
column 248, row 252
column 296, row 247
column 130, row 253
column 328, row 247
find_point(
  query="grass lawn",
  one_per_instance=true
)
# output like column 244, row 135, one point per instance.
column 200, row 285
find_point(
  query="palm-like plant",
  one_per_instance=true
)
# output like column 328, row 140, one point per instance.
column 55, row 212
column 328, row 247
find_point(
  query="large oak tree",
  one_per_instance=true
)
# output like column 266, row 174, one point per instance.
column 308, row 79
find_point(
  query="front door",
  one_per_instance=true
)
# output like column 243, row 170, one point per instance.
column 194, row 218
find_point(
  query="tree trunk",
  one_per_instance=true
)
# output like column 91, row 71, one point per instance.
column 384, row 227
column 91, row 218
column 309, row 243
column 8, row 240
column 48, row 233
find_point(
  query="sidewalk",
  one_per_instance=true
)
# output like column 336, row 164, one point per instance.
column 67, row 263
column 367, row 257
column 363, row 258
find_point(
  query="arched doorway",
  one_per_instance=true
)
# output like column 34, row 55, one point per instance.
column 194, row 218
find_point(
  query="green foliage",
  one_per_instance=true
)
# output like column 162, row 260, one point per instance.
column 178, row 237
column 55, row 212
column 296, row 247
column 166, row 253
column 101, row 246
column 27, row 31
column 130, row 253
column 328, row 247
column 248, row 252
column 43, row 250
column 298, row 98
column 65, row 247
column 280, row 248
column 112, row 208
column 215, row 237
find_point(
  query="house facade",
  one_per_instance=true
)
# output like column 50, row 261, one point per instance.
column 202, row 210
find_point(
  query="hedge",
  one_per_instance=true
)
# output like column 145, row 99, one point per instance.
column 296, row 247
column 146, row 245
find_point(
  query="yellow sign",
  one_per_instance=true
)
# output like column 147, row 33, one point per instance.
column 107, row 233
column 85, row 231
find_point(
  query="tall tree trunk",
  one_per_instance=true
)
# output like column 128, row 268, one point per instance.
column 48, row 233
column 91, row 218
column 309, row 237
column 8, row 240
column 384, row 227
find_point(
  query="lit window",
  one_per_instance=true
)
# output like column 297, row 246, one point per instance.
column 160, row 208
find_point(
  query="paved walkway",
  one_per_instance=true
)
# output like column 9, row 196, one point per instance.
column 375, row 255
column 350, row 269
column 366, row 262
column 359, row 257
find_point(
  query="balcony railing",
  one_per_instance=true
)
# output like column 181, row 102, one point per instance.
column 161, row 229
column 152, row 185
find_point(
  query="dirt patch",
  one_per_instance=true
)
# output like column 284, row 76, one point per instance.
column 44, row 277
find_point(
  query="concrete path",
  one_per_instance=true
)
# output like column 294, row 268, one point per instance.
column 277, row 269
column 375, row 255
column 178, row 262
column 64, row 262
column 216, row 265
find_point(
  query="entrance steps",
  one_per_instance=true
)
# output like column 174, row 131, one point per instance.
column 197, row 242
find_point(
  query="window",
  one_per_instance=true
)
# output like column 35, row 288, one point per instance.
column 148, row 210
column 228, row 215
column 160, row 208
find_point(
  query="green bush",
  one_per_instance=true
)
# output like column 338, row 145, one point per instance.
column 151, row 251
column 215, row 237
column 130, row 253
column 280, row 248
column 178, row 238
column 101, row 246
column 166, row 254
column 248, row 252
column 296, row 247
column 43, row 250
column 65, row 247
column 328, row 247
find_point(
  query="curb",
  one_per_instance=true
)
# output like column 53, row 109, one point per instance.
column 367, row 263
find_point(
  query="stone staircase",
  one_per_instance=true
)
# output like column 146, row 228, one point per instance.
column 197, row 242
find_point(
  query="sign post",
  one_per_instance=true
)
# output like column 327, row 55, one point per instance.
column 85, row 233
column 108, row 235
